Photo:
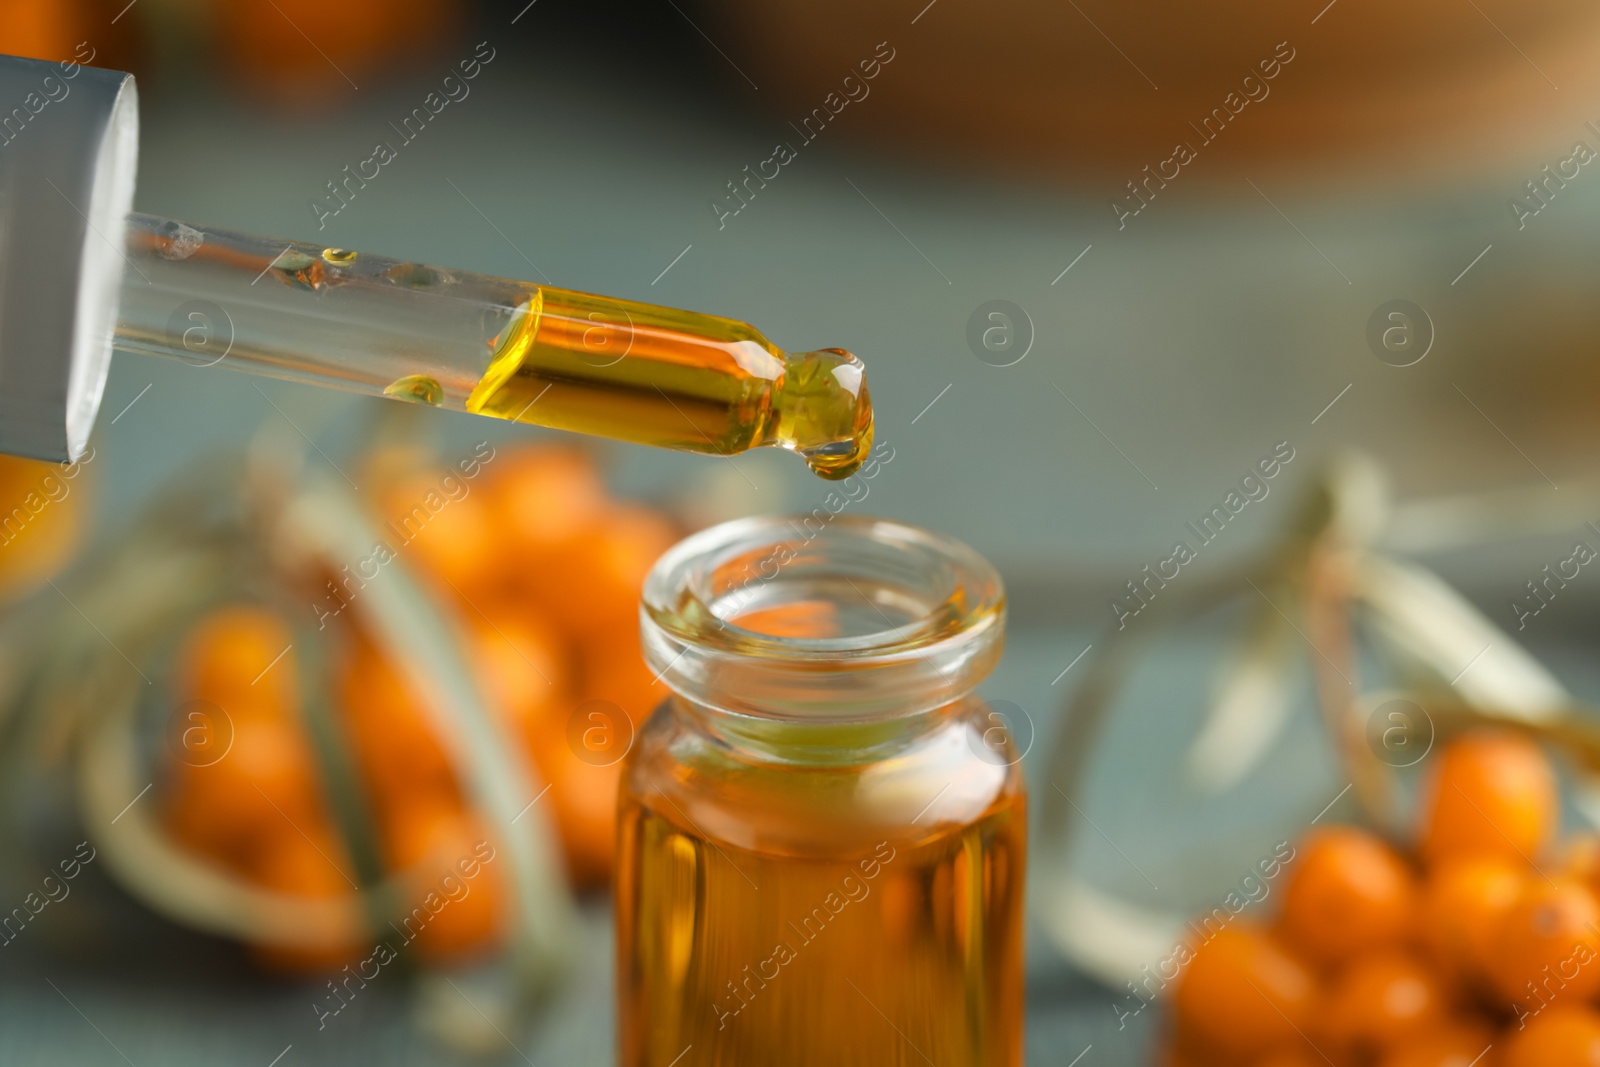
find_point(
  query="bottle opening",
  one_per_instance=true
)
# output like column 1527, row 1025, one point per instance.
column 860, row 619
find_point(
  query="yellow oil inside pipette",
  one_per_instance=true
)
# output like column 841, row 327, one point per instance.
column 674, row 379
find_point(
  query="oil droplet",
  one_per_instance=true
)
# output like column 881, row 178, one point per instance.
column 838, row 460
column 296, row 269
column 824, row 412
column 338, row 255
column 417, row 389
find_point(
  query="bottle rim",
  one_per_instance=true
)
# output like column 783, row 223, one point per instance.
column 849, row 619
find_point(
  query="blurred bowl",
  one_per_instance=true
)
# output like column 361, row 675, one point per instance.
column 1103, row 89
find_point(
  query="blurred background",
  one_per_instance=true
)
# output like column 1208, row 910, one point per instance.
column 1102, row 262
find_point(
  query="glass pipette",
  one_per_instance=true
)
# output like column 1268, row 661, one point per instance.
column 515, row 350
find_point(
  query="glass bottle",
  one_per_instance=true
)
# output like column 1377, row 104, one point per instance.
column 822, row 835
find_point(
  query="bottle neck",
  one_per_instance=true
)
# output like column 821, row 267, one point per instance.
column 764, row 739
column 847, row 644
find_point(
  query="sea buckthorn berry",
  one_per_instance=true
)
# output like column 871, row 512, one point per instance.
column 41, row 504
column 1463, row 902
column 1547, row 946
column 1243, row 993
column 1492, row 793
column 1579, row 858
column 1380, row 1000
column 1457, row 1043
column 1347, row 893
column 1561, row 1036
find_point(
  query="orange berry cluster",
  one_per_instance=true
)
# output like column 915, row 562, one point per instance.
column 542, row 573
column 1481, row 949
